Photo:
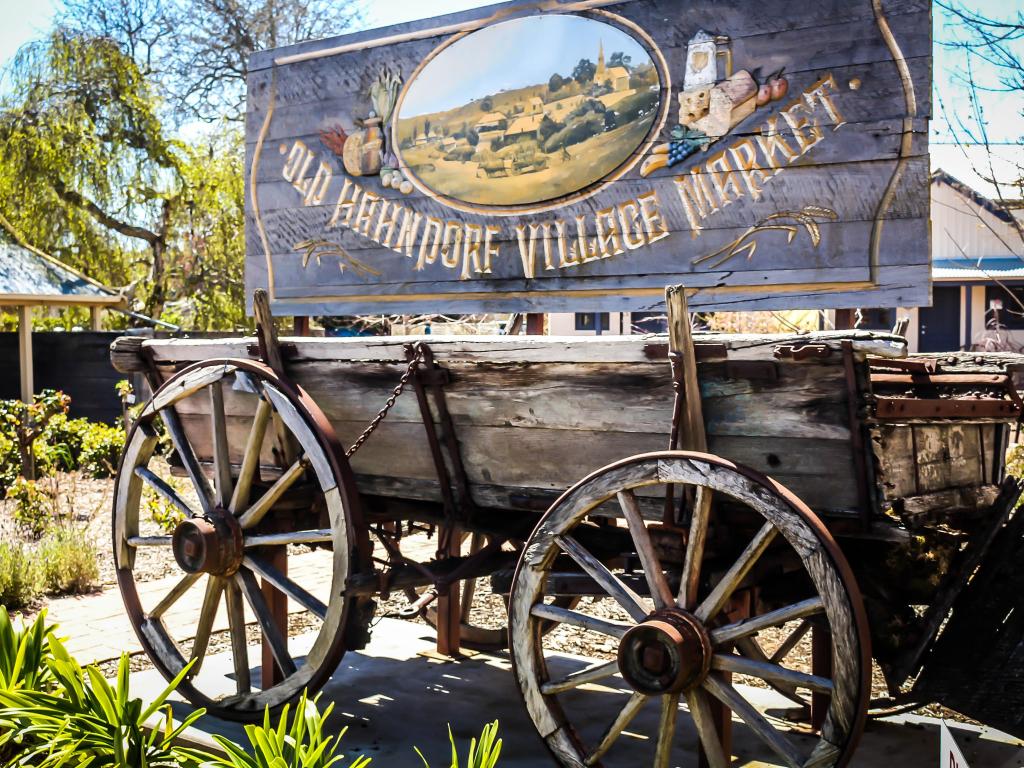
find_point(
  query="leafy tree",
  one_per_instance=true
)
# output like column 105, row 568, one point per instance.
column 991, row 49
column 81, row 144
column 472, row 137
column 487, row 104
column 619, row 59
column 555, row 83
column 584, row 71
column 198, row 50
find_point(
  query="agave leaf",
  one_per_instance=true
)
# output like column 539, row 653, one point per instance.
column 159, row 700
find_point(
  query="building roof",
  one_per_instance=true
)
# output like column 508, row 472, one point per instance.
column 615, row 73
column 490, row 118
column 997, row 210
column 986, row 269
column 567, row 104
column 524, row 124
column 28, row 276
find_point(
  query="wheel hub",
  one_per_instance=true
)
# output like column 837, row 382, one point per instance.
column 209, row 544
column 669, row 652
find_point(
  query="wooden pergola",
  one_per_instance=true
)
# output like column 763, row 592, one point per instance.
column 30, row 278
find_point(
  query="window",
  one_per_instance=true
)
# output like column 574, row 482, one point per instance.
column 1006, row 304
column 877, row 319
column 649, row 322
column 592, row 321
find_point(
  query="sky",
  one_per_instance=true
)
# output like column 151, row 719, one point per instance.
column 513, row 54
column 24, row 20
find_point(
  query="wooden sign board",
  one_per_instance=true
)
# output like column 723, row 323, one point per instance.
column 580, row 155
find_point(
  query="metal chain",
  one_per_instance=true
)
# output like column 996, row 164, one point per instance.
column 417, row 358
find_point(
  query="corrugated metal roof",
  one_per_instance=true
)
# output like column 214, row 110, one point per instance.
column 26, row 273
column 984, row 269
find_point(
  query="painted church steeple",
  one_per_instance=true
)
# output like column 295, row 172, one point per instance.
column 600, row 62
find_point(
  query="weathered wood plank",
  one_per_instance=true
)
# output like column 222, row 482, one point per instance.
column 850, row 134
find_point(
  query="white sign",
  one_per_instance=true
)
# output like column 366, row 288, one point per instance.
column 950, row 755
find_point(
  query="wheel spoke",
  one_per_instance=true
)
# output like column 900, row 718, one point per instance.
column 771, row 672
column 258, row 511
column 591, row 674
column 707, row 731
column 291, row 537
column 790, row 642
column 619, row 724
column 221, row 457
column 749, row 647
column 277, row 641
column 149, row 541
column 239, row 646
column 214, row 588
column 720, row 595
column 164, row 488
column 174, row 595
column 251, row 458
column 660, row 590
column 757, row 722
column 283, row 584
column 188, row 457
column 582, row 620
column 666, row 729
column 747, row 627
column 695, row 541
column 630, row 601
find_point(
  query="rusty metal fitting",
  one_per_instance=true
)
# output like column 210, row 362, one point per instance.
column 210, row 544
column 670, row 652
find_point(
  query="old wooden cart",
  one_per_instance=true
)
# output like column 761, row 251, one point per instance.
column 887, row 490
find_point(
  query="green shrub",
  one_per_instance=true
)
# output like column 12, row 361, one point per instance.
column 10, row 463
column 298, row 742
column 20, row 578
column 60, row 445
column 69, row 561
column 35, row 506
column 161, row 511
column 86, row 721
column 101, row 450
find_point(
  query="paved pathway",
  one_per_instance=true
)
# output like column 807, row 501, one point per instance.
column 97, row 627
column 394, row 695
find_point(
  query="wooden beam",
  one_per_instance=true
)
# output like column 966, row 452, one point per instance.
column 25, row 352
column 95, row 318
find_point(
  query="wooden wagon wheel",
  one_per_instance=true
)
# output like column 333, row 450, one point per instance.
column 270, row 446
column 675, row 647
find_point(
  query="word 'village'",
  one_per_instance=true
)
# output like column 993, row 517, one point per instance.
column 740, row 169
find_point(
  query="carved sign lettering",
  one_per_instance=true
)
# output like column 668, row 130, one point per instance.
column 582, row 155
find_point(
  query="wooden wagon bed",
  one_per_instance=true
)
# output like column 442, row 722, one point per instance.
column 532, row 412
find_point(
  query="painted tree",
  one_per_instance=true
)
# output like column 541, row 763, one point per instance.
column 584, row 71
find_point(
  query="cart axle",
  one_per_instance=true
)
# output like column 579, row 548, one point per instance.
column 210, row 544
column 669, row 652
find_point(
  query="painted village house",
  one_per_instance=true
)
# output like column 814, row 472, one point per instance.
column 977, row 295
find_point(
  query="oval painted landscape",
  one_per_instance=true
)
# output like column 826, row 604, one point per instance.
column 527, row 110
